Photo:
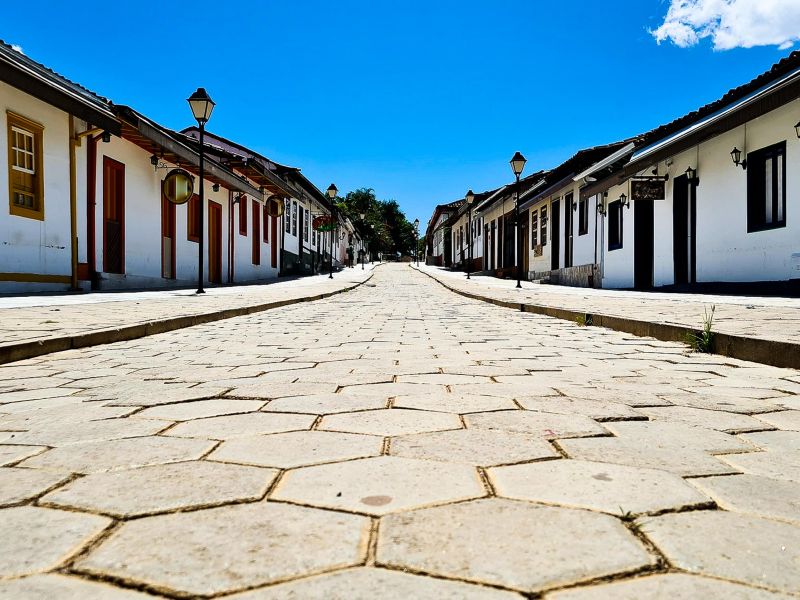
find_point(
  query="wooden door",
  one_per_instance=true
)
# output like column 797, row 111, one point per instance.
column 524, row 242
column 568, row 226
column 256, row 239
column 643, row 238
column 167, row 239
column 214, row 242
column 680, row 229
column 113, row 216
column 555, row 234
column 274, row 243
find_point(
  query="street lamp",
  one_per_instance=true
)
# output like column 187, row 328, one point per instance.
column 416, row 240
column 517, row 165
column 202, row 106
column 332, row 191
column 470, row 200
column 362, row 216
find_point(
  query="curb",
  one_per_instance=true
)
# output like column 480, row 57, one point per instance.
column 22, row 350
column 768, row 352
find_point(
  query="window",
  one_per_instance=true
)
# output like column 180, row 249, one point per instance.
column 583, row 216
column 544, row 226
column 534, row 229
column 287, row 218
column 25, row 177
column 193, row 219
column 265, row 218
column 306, row 226
column 243, row 214
column 294, row 218
column 256, row 232
column 766, row 188
column 615, row 225
column 313, row 236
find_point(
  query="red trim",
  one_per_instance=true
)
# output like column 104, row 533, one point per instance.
column 256, row 234
column 274, row 247
column 193, row 219
column 109, row 165
column 91, row 207
column 168, row 231
column 243, row 215
column 214, row 242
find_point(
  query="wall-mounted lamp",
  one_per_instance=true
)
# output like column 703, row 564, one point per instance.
column 261, row 189
column 215, row 187
column 106, row 137
column 691, row 176
column 154, row 161
column 736, row 157
column 574, row 206
column 601, row 209
column 797, row 129
column 625, row 201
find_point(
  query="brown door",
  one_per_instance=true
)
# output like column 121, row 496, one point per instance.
column 524, row 242
column 113, row 216
column 167, row 239
column 274, row 243
column 214, row 242
column 256, row 233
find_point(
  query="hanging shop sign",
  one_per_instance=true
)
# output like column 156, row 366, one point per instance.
column 647, row 189
column 178, row 186
column 323, row 223
column 275, row 207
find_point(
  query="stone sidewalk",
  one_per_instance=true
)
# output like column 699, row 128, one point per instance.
column 763, row 329
column 39, row 324
column 398, row 441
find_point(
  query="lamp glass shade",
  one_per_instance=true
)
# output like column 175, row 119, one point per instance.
column 736, row 156
column 332, row 191
column 691, row 174
column 416, row 222
column 470, row 197
column 518, row 163
column 202, row 105
column 623, row 199
column 362, row 215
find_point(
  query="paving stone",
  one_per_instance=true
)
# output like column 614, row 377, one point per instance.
column 324, row 404
column 755, row 495
column 595, row 486
column 379, row 485
column 787, row 420
column 163, row 488
column 732, row 404
column 20, row 485
column 39, row 539
column 231, row 426
column 271, row 390
column 494, row 541
column 47, row 403
column 479, row 447
column 145, row 393
column 679, row 435
column 545, row 425
column 384, row 391
column 454, row 403
column 94, row 457
column 787, row 441
column 297, row 448
column 186, row 411
column 58, row 415
column 664, row 587
column 594, row 409
column 60, row 587
column 62, row 434
column 393, row 421
column 11, row 454
column 730, row 546
column 38, row 394
column 778, row 465
column 533, row 389
column 710, row 419
column 368, row 583
column 229, row 548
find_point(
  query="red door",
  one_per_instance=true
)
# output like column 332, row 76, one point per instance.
column 274, row 247
column 167, row 239
column 214, row 242
column 256, row 233
column 113, row 216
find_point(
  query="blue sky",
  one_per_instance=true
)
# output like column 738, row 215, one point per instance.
column 418, row 100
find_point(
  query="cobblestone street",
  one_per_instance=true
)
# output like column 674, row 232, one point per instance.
column 398, row 441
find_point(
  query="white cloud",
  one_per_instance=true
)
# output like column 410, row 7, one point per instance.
column 17, row 48
column 731, row 23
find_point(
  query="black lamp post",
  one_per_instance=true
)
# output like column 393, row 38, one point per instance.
column 416, row 240
column 363, row 246
column 202, row 105
column 517, row 165
column 470, row 200
column 332, row 191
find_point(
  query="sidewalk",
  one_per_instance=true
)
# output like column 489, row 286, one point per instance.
column 765, row 330
column 33, row 325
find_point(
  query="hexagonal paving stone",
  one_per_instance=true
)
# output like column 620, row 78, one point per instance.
column 44, row 587
column 91, row 431
column 223, row 428
column 39, row 539
column 755, row 495
column 480, row 447
column 162, row 488
column 454, row 403
column 271, row 389
column 508, row 543
column 712, row 419
column 19, row 485
column 230, row 548
column 324, row 404
column 92, row 457
column 297, row 448
column 12, row 454
column 730, row 546
column 785, row 441
column 57, row 415
column 664, row 587
column 545, row 425
column 678, row 435
column 535, row 388
column 778, row 465
column 186, row 411
column 394, row 421
column 787, row 420
column 368, row 584
column 380, row 485
column 594, row 485
column 594, row 409
column 152, row 393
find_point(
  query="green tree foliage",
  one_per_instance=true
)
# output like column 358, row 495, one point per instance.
column 384, row 227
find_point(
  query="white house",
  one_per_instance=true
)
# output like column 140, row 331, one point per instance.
column 438, row 241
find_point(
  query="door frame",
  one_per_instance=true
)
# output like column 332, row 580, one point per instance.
column 569, row 225
column 214, row 242
column 643, row 243
column 555, row 234
column 168, row 213
column 115, row 165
